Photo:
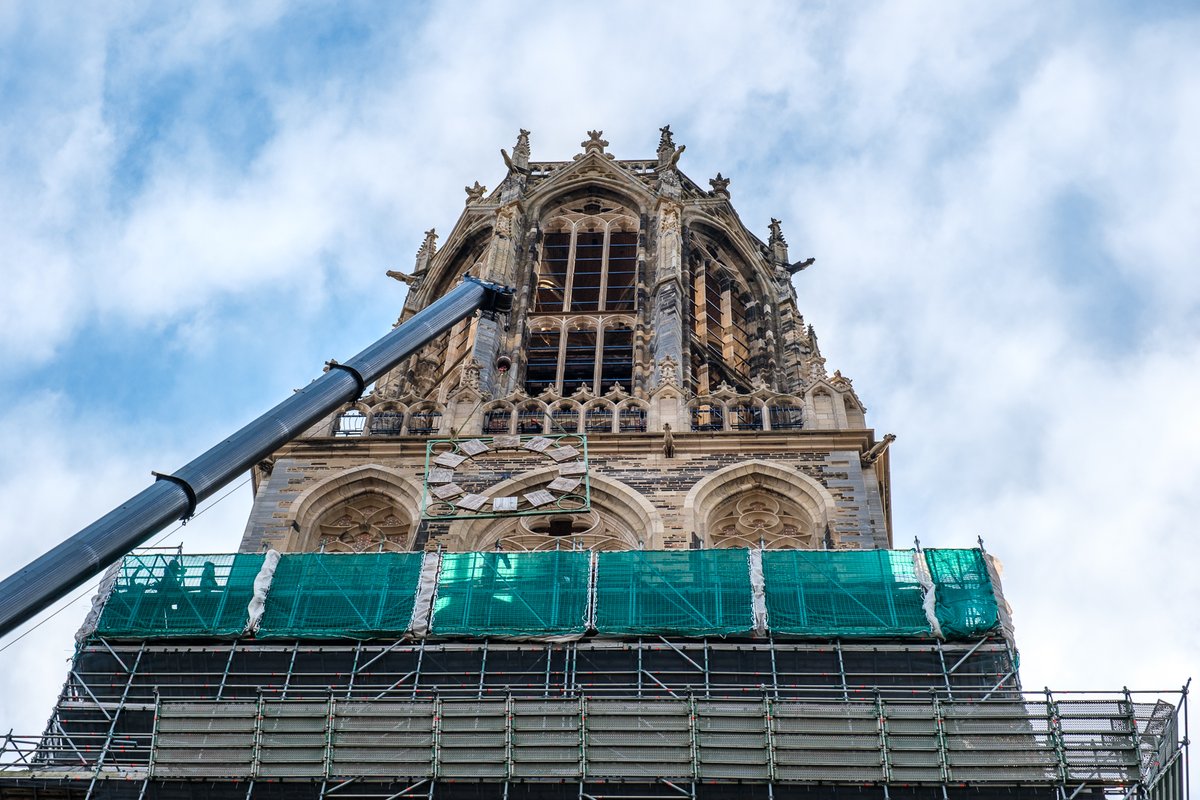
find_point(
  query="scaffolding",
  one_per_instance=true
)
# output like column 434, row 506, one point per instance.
column 881, row 594
column 636, row 717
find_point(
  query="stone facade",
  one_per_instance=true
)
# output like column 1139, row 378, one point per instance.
column 646, row 316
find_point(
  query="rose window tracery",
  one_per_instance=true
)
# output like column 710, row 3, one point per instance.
column 367, row 523
column 763, row 519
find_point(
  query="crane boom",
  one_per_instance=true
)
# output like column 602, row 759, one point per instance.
column 173, row 497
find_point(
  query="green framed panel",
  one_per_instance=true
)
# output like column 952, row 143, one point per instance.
column 843, row 593
column 335, row 595
column 512, row 594
column 674, row 592
column 964, row 601
column 167, row 594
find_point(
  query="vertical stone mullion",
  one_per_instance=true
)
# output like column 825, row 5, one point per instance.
column 601, row 304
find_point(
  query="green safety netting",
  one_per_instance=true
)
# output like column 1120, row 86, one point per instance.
column 319, row 595
column 684, row 593
column 177, row 595
column 843, row 593
column 512, row 594
column 963, row 599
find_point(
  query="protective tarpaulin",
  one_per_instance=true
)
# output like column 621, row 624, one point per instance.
column 681, row 593
column 262, row 585
column 166, row 594
column 963, row 598
column 542, row 594
column 322, row 595
column 843, row 593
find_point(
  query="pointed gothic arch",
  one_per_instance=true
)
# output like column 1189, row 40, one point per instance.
column 318, row 505
column 710, row 495
column 632, row 519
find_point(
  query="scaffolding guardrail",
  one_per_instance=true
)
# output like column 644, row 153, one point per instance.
column 1112, row 740
column 557, row 594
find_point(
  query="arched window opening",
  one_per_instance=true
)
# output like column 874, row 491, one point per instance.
column 598, row 419
column 424, row 421
column 720, row 341
column 588, row 262
column 531, row 418
column 541, row 370
column 368, row 522
column 565, row 418
column 745, row 417
column 496, row 420
column 633, row 419
column 616, row 359
column 350, row 423
column 760, row 518
column 579, row 363
column 387, row 423
column 621, row 294
column 787, row 416
column 708, row 417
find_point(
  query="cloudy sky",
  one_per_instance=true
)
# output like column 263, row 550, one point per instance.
column 197, row 207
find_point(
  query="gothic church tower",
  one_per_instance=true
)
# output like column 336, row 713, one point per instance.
column 648, row 317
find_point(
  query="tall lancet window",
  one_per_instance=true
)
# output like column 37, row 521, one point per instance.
column 720, row 332
column 588, row 261
column 581, row 334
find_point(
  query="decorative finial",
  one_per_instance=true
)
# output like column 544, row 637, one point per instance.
column 429, row 246
column 475, row 193
column 594, row 143
column 720, row 185
column 776, row 231
column 666, row 143
column 668, row 154
column 519, row 161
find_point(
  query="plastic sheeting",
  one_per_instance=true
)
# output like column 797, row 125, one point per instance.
column 318, row 595
column 262, row 585
column 555, row 595
column 963, row 596
column 180, row 595
column 681, row 593
column 543, row 595
column 843, row 593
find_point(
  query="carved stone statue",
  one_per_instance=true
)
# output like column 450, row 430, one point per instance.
column 668, row 441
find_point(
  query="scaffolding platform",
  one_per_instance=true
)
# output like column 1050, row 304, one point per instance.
column 600, row 718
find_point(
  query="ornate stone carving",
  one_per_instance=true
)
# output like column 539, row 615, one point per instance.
column 667, row 372
column 720, row 185
column 874, row 454
column 370, row 521
column 475, row 193
column 761, row 518
column 594, row 143
column 519, row 160
column 668, row 441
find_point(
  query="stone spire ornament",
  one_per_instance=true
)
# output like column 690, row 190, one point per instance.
column 475, row 193
column 519, row 160
column 594, row 143
column 720, row 185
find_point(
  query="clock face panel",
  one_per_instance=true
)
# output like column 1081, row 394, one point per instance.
column 461, row 477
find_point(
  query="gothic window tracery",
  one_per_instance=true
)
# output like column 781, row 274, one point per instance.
column 721, row 317
column 588, row 265
column 579, row 352
column 592, row 530
column 761, row 518
column 368, row 522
